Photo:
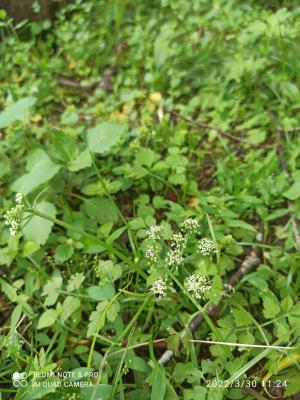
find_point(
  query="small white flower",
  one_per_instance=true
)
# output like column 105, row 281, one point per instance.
column 174, row 257
column 189, row 225
column 178, row 241
column 159, row 288
column 150, row 254
column 13, row 217
column 197, row 285
column 19, row 198
column 207, row 247
column 153, row 232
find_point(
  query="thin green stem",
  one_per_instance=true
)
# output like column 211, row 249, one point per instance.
column 201, row 309
column 115, row 203
column 105, row 245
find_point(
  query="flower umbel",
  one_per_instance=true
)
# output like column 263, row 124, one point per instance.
column 197, row 285
column 159, row 288
column 174, row 257
column 151, row 254
column 207, row 247
column 19, row 198
column 189, row 225
column 178, row 241
column 153, row 232
column 13, row 217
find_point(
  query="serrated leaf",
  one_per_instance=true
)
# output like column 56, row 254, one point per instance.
column 62, row 253
column 113, row 311
column 271, row 305
column 51, row 290
column 38, row 229
column 241, row 317
column 70, row 305
column 103, row 136
column 107, row 271
column 16, row 111
column 48, row 318
column 75, row 281
column 97, row 319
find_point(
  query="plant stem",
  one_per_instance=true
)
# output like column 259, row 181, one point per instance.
column 105, row 245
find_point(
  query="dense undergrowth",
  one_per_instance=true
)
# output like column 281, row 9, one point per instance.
column 154, row 149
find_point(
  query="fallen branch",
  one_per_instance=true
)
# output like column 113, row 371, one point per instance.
column 251, row 261
column 221, row 132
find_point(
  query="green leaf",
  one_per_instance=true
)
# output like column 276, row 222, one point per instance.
column 75, row 281
column 83, row 160
column 293, row 192
column 256, row 136
column 103, row 292
column 101, row 210
column 103, row 136
column 186, row 372
column 9, row 291
column 16, row 111
column 236, row 223
column 62, row 253
column 271, row 305
column 277, row 214
column 70, row 305
column 158, row 390
column 30, row 248
column 16, row 315
column 95, row 318
column 108, row 272
column 137, row 363
column 99, row 391
column 48, row 318
column 38, row 229
column 146, row 157
column 241, row 317
column 113, row 311
column 51, row 289
column 49, row 385
column 41, row 170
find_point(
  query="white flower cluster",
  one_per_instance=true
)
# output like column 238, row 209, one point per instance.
column 19, row 198
column 13, row 217
column 174, row 257
column 154, row 232
column 207, row 247
column 159, row 288
column 197, row 285
column 189, row 225
column 151, row 254
column 178, row 241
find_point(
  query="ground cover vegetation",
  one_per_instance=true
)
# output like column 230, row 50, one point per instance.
column 150, row 196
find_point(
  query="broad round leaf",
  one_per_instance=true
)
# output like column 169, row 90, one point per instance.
column 103, row 136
